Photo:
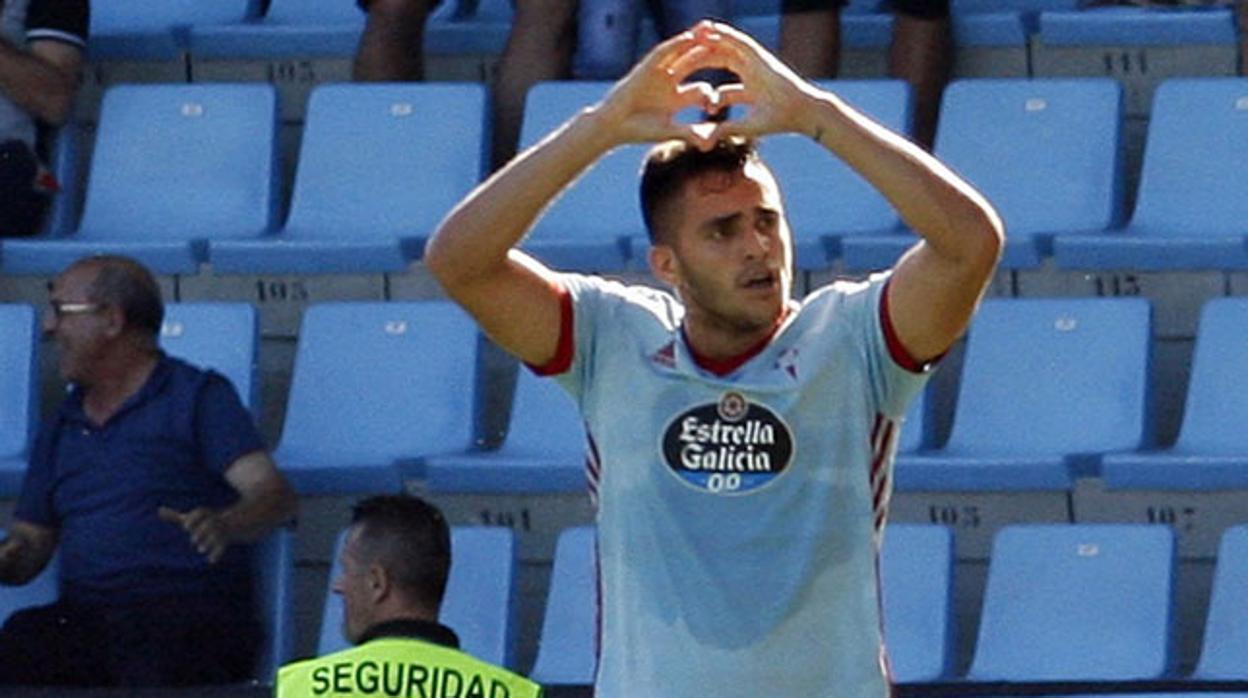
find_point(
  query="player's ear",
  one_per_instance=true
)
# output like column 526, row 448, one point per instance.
column 663, row 263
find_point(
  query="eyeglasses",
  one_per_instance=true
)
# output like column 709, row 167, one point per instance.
column 63, row 308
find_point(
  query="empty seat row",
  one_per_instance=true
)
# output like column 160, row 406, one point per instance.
column 1062, row 603
column 1050, row 390
column 186, row 175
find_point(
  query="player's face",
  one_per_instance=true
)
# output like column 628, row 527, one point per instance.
column 353, row 586
column 78, row 326
column 731, row 250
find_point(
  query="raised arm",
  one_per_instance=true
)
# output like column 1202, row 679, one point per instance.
column 513, row 296
column 938, row 283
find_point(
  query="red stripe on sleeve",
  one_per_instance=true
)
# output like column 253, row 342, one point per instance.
column 562, row 360
column 896, row 349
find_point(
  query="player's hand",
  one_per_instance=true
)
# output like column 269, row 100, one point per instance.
column 642, row 106
column 777, row 97
column 205, row 527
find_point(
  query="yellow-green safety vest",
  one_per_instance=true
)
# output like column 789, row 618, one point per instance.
column 399, row 667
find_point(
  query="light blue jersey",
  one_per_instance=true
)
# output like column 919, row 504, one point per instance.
column 738, row 516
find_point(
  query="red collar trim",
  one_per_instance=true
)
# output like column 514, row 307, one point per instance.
column 722, row 367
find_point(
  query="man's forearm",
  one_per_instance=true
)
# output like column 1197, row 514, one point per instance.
column 251, row 517
column 482, row 229
column 40, row 88
column 932, row 200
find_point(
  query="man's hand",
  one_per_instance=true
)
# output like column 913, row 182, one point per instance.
column 642, row 106
column 778, row 98
column 207, row 530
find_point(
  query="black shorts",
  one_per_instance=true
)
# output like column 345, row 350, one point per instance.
column 925, row 9
column 363, row 4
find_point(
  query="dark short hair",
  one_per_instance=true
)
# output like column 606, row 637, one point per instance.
column 127, row 284
column 669, row 165
column 410, row 538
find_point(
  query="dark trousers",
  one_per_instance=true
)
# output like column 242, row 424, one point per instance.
column 22, row 204
column 157, row 643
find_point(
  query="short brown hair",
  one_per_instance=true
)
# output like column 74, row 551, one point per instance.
column 411, row 539
column 670, row 164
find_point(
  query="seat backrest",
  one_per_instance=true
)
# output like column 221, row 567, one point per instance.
column 916, row 578
column 1055, row 377
column 1217, row 394
column 544, row 420
column 379, row 382
column 1044, row 152
column 1077, row 602
column 219, row 336
column 19, row 378
column 567, row 653
column 1224, row 654
column 313, row 12
column 39, row 591
column 273, row 561
column 183, row 162
column 386, row 160
column 478, row 604
column 960, row 7
column 129, row 17
column 602, row 204
column 1196, row 153
column 822, row 195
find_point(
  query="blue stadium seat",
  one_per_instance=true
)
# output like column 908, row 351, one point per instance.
column 379, row 167
column 65, row 161
column 275, row 593
column 1131, row 26
column 1224, row 654
column 128, row 30
column 305, row 28
column 826, row 202
column 40, row 591
column 478, row 604
column 1077, row 603
column 544, row 450
column 1048, row 385
column 567, row 653
column 1044, row 152
column 376, row 386
column 1030, row 7
column 1190, row 212
column 588, row 226
column 1209, row 453
column 19, row 393
column 173, row 166
column 916, row 575
column 220, row 336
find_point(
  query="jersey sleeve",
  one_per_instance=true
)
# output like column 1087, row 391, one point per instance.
column 588, row 305
column 895, row 377
column 224, row 429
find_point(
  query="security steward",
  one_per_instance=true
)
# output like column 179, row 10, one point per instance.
column 395, row 564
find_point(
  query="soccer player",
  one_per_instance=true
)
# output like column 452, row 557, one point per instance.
column 742, row 441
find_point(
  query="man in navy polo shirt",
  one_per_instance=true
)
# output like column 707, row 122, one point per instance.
column 151, row 478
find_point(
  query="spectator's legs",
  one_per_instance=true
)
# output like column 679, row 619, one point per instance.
column 606, row 38
column 55, row 645
column 922, row 55
column 810, row 41
column 392, row 46
column 1241, row 14
column 539, row 48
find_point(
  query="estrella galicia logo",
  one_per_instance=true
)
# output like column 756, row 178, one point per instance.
column 728, row 447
